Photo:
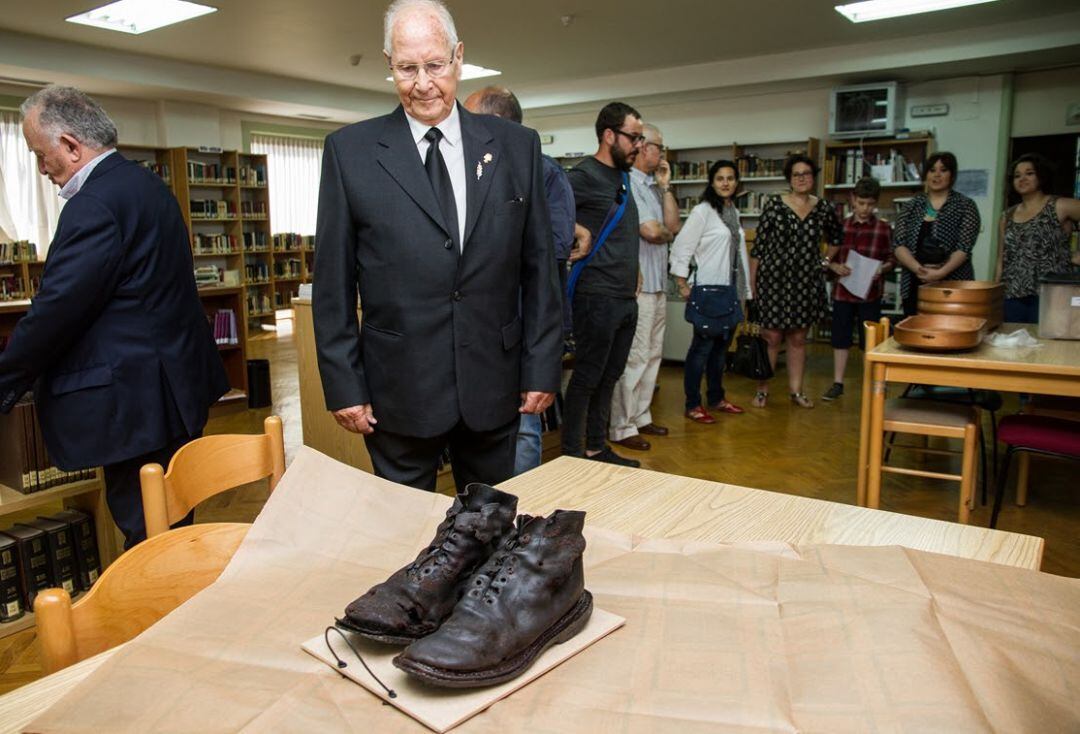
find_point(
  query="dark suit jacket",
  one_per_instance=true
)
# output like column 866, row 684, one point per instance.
column 116, row 337
column 445, row 336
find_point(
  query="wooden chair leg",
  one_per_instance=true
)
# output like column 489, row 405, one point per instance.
column 967, row 474
column 55, row 630
column 999, row 490
column 982, row 468
column 1023, row 472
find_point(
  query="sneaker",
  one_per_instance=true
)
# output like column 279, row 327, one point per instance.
column 834, row 392
column 610, row 457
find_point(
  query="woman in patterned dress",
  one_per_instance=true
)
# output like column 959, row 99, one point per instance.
column 1035, row 237
column 936, row 232
column 786, row 271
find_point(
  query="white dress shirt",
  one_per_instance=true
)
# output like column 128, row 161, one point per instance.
column 652, row 258
column 453, row 152
column 75, row 183
column 705, row 238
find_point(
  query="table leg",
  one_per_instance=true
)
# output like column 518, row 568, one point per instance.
column 877, row 429
column 864, row 448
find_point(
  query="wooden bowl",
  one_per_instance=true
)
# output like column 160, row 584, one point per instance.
column 979, row 298
column 940, row 333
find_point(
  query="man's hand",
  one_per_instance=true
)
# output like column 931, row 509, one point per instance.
column 358, row 419
column 582, row 243
column 662, row 175
column 536, row 402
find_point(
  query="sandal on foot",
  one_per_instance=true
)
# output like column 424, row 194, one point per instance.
column 760, row 399
column 800, row 399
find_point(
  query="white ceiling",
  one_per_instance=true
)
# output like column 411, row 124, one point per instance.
column 290, row 57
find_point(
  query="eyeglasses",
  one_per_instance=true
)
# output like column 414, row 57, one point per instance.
column 634, row 139
column 803, row 174
column 435, row 69
column 658, row 146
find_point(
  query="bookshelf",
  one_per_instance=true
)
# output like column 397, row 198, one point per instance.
column 293, row 264
column 20, row 271
column 896, row 163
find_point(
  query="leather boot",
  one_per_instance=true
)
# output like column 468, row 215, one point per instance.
column 415, row 600
column 529, row 596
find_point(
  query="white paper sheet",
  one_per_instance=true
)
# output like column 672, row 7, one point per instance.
column 863, row 270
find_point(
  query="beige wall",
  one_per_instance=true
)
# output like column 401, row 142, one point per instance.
column 1041, row 100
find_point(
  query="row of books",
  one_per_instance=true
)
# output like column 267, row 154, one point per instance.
column 255, row 242
column 686, row 203
column 259, row 304
column 212, row 209
column 214, row 173
column 256, row 272
column 751, row 201
column 252, row 176
column 161, row 169
column 292, row 242
column 751, row 166
column 12, row 287
column 847, row 167
column 290, row 268
column 25, row 465
column 207, row 276
column 224, row 327
column 253, row 209
column 690, row 169
column 55, row 551
column 283, row 299
column 214, row 244
column 22, row 251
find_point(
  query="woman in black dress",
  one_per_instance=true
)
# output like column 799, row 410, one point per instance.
column 786, row 271
column 936, row 232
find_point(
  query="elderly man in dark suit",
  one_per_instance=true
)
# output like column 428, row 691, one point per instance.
column 438, row 218
column 115, row 339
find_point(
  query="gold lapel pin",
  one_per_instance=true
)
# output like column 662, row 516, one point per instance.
column 487, row 157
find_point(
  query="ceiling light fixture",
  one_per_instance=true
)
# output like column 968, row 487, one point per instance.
column 469, row 71
column 881, row 9
column 140, row 16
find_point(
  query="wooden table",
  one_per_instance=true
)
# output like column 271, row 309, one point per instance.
column 1051, row 369
column 657, row 505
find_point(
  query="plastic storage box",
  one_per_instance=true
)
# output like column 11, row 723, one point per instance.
column 1059, row 306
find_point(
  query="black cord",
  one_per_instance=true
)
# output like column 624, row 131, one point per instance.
column 342, row 664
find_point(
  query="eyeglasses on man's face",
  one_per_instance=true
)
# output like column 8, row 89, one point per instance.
column 634, row 139
column 660, row 147
column 435, row 69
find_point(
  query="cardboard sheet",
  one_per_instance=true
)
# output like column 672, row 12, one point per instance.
column 762, row 638
column 443, row 709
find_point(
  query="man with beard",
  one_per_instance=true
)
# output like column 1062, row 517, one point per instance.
column 605, row 284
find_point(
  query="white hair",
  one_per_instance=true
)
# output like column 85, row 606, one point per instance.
column 68, row 110
column 435, row 7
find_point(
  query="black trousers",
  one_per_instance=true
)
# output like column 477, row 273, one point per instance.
column 123, row 493
column 603, row 332
column 475, row 456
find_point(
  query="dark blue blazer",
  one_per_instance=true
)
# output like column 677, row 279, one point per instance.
column 116, row 339
column 446, row 337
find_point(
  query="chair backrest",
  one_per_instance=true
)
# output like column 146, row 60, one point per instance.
column 207, row 466
column 876, row 333
column 139, row 588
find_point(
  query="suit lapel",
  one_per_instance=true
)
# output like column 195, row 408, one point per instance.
column 400, row 159
column 481, row 157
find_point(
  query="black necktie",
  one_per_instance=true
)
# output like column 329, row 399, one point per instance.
column 440, row 182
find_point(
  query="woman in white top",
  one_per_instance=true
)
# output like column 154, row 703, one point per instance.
column 714, row 239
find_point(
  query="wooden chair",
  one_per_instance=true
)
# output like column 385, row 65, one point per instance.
column 139, row 588
column 207, row 466
column 928, row 418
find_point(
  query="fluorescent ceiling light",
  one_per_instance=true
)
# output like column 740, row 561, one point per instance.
column 469, row 71
column 880, row 9
column 140, row 16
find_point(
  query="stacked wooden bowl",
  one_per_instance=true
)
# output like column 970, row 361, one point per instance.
column 981, row 299
column 940, row 333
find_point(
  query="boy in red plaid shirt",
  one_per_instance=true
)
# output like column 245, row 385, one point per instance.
column 870, row 237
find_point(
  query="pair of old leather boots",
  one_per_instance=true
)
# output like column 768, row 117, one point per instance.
column 485, row 598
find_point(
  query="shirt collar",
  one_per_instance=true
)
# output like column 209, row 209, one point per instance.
column 641, row 177
column 868, row 223
column 75, row 183
column 450, row 127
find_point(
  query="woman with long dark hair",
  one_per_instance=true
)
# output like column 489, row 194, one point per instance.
column 936, row 232
column 714, row 239
column 1034, row 237
column 786, row 271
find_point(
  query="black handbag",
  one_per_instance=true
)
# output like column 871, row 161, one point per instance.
column 752, row 357
column 713, row 310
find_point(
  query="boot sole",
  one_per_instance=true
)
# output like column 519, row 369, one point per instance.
column 345, row 624
column 565, row 628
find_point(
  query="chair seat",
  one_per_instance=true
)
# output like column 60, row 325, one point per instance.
column 912, row 410
column 1041, row 433
column 985, row 399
